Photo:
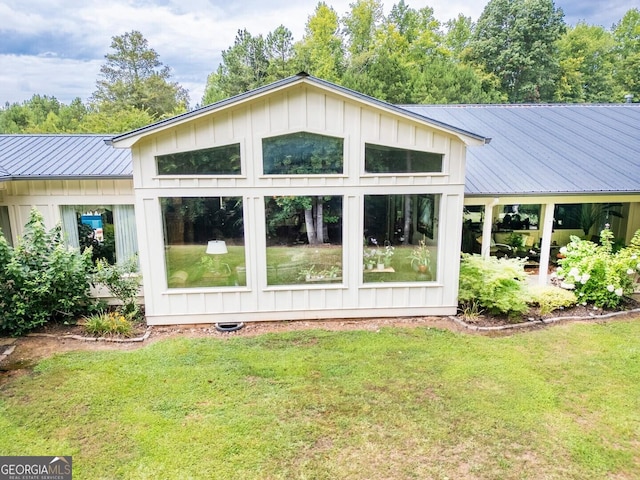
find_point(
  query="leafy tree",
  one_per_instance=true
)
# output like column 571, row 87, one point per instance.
column 586, row 65
column 627, row 64
column 134, row 77
column 244, row 67
column 321, row 51
column 386, row 73
column 280, row 53
column 458, row 35
column 361, row 25
column 42, row 114
column 517, row 41
column 106, row 121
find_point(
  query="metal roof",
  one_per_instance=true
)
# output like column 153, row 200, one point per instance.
column 534, row 149
column 61, row 156
column 548, row 149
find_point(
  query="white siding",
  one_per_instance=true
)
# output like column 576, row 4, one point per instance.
column 300, row 108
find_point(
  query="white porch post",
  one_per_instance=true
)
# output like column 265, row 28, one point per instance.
column 545, row 246
column 486, row 228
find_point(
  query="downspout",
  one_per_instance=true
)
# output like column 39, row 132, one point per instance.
column 487, row 226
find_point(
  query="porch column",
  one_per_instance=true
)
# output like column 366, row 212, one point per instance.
column 486, row 228
column 545, row 246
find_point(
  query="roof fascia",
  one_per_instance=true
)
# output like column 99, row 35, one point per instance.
column 127, row 140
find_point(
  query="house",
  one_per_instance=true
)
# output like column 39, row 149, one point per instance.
column 274, row 204
column 567, row 169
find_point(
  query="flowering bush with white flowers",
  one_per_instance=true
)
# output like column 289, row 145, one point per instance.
column 597, row 274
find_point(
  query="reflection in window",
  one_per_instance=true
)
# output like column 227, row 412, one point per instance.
column 190, row 223
column 382, row 159
column 400, row 238
column 567, row 216
column 302, row 154
column 304, row 240
column 110, row 230
column 210, row 161
column 519, row 217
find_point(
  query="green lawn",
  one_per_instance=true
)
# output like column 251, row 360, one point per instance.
column 559, row 403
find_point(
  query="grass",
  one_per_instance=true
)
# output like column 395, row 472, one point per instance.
column 560, row 403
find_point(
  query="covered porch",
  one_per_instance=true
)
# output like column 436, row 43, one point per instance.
column 537, row 227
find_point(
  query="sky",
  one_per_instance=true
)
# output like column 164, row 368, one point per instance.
column 56, row 47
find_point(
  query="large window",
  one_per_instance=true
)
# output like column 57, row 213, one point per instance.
column 223, row 160
column 400, row 238
column 204, row 241
column 304, row 240
column 302, row 154
column 381, row 159
column 110, row 230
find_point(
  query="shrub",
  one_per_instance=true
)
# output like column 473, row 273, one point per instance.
column 550, row 298
column 108, row 323
column 41, row 279
column 596, row 273
column 497, row 285
column 122, row 281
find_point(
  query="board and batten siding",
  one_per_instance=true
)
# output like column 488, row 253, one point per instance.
column 310, row 109
column 20, row 196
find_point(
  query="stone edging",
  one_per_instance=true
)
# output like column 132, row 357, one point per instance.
column 146, row 335
column 546, row 321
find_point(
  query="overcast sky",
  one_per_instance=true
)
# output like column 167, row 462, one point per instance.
column 56, row 47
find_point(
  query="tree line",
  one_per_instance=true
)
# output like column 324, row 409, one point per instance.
column 518, row 51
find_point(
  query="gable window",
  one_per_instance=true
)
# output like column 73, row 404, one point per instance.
column 302, row 153
column 223, row 160
column 383, row 159
column 204, row 241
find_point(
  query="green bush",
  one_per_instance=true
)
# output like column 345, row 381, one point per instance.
column 122, row 281
column 41, row 279
column 550, row 298
column 497, row 285
column 598, row 274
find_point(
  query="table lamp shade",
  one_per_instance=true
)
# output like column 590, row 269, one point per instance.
column 216, row 247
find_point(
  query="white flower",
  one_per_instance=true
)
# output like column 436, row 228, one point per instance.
column 575, row 273
column 581, row 294
column 634, row 256
column 585, row 278
column 630, row 271
column 567, row 286
column 563, row 250
column 611, row 288
column 619, row 292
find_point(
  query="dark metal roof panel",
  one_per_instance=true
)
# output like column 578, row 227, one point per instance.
column 548, row 149
column 62, row 156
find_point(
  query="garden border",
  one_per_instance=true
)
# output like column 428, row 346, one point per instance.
column 544, row 321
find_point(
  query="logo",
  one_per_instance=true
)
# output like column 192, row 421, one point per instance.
column 35, row 468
